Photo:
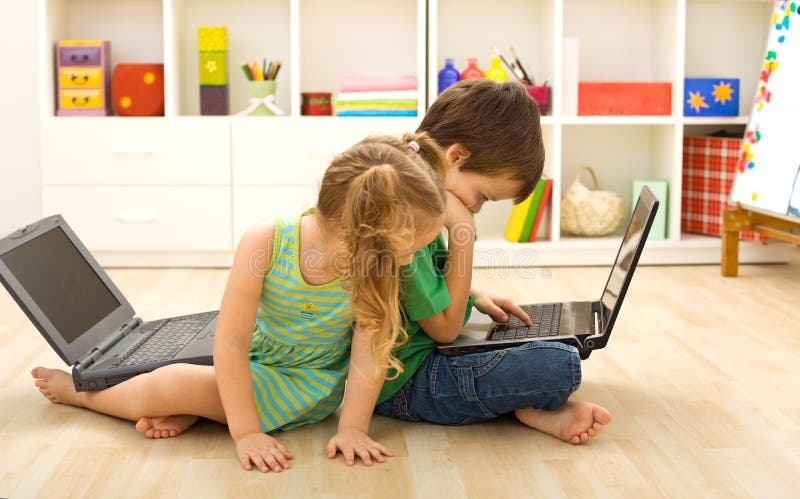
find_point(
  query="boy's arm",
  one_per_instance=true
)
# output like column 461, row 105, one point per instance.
column 445, row 326
column 360, row 396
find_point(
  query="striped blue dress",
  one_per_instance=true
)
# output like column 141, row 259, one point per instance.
column 300, row 348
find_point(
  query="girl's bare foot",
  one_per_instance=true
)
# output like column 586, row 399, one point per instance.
column 56, row 385
column 165, row 426
column 574, row 422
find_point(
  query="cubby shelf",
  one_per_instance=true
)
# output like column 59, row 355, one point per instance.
column 266, row 166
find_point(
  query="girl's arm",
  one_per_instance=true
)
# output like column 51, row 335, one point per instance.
column 235, row 324
column 360, row 395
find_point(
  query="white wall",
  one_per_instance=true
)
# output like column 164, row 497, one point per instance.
column 20, row 173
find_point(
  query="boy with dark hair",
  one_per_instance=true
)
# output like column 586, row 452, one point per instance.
column 492, row 139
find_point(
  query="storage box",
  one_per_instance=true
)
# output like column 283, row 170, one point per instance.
column 138, row 89
column 83, row 78
column 658, row 231
column 631, row 99
column 709, row 166
column 711, row 97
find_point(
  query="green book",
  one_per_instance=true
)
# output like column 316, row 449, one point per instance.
column 658, row 232
column 530, row 217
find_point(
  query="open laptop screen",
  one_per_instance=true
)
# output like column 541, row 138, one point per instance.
column 627, row 251
column 61, row 283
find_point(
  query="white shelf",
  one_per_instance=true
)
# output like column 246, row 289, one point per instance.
column 320, row 42
column 618, row 120
column 716, row 120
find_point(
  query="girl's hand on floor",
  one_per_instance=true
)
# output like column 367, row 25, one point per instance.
column 263, row 451
column 352, row 442
column 498, row 307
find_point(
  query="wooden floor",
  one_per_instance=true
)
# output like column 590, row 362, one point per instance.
column 702, row 376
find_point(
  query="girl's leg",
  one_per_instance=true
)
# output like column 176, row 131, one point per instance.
column 176, row 389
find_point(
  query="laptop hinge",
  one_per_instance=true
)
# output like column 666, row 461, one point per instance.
column 105, row 345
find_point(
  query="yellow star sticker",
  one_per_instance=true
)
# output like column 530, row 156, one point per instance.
column 697, row 101
column 722, row 92
column 211, row 66
column 309, row 307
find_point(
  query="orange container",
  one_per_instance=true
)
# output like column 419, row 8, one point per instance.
column 621, row 98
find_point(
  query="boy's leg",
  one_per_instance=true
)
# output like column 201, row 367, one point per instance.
column 175, row 389
column 534, row 381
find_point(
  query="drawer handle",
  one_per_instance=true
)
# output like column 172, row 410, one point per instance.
column 144, row 150
column 84, row 79
column 138, row 218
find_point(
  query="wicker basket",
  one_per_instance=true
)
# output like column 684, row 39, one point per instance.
column 587, row 212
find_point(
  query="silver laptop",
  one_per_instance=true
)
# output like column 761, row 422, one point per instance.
column 85, row 318
column 586, row 325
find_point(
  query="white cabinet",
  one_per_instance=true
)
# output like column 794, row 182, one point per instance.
column 201, row 181
column 144, row 151
column 114, row 218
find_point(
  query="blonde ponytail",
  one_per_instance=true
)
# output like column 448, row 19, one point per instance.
column 380, row 193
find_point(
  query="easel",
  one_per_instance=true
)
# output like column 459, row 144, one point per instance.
column 739, row 219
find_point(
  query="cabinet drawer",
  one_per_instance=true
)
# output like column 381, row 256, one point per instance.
column 84, row 98
column 252, row 204
column 136, row 151
column 145, row 218
column 80, row 77
column 296, row 151
column 79, row 55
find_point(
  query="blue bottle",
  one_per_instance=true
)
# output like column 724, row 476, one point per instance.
column 448, row 75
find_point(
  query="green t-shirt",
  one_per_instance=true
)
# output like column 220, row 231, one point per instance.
column 423, row 294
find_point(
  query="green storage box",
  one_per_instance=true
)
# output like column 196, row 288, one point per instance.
column 213, row 68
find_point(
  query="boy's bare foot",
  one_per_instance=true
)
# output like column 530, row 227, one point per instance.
column 165, row 426
column 56, row 385
column 574, row 422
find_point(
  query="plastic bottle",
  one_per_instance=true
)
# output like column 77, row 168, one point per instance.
column 496, row 72
column 472, row 71
column 448, row 75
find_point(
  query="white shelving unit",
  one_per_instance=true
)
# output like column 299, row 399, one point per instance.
column 180, row 189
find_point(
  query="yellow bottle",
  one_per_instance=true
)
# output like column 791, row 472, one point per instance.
column 495, row 72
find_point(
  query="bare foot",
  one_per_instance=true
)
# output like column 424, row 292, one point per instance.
column 165, row 426
column 56, row 385
column 574, row 422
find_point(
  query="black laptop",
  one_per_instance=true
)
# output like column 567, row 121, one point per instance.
column 85, row 318
column 586, row 325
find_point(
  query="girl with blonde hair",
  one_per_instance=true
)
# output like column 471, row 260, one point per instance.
column 309, row 303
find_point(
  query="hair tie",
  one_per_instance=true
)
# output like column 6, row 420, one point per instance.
column 413, row 145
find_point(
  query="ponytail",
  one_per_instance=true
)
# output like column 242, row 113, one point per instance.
column 380, row 193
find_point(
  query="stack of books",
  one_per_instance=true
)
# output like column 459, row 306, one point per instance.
column 377, row 96
column 526, row 217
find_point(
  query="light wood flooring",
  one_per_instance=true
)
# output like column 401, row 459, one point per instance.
column 702, row 376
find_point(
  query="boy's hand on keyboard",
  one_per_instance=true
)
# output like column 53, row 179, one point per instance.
column 498, row 307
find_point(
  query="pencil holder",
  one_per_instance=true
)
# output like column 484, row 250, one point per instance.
column 541, row 94
column 262, row 99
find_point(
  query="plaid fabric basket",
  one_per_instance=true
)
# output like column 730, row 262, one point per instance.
column 709, row 166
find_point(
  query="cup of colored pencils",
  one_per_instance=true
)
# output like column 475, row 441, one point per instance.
column 261, row 85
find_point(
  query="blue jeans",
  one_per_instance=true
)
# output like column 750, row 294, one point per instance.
column 477, row 387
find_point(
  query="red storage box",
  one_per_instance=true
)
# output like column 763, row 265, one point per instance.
column 138, row 89
column 631, row 99
column 709, row 166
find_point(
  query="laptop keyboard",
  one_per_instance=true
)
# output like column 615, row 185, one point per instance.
column 173, row 335
column 545, row 320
